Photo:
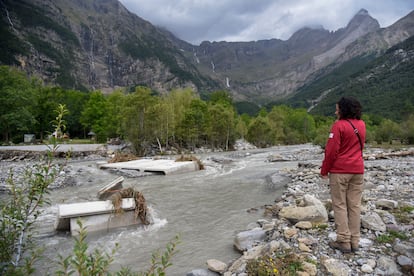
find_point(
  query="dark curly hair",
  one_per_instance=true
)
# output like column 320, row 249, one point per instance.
column 349, row 108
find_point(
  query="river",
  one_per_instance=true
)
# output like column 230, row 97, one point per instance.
column 205, row 208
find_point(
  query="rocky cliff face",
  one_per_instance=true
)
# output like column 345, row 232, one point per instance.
column 359, row 26
column 94, row 44
column 99, row 44
column 279, row 66
column 380, row 40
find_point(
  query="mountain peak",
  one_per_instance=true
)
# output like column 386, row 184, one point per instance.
column 363, row 12
column 363, row 19
column 363, row 22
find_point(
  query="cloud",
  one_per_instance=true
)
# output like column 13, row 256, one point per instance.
column 244, row 20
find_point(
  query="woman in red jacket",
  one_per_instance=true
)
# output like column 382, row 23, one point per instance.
column 344, row 166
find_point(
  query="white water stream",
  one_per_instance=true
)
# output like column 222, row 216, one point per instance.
column 206, row 208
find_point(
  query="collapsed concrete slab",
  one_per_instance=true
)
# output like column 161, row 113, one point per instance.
column 163, row 166
column 95, row 216
column 106, row 191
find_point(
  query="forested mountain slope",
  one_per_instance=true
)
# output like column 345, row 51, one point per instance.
column 91, row 44
column 384, row 85
column 99, row 45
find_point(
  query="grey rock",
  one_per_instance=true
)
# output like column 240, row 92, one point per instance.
column 248, row 239
column 404, row 261
column 386, row 204
column 387, row 266
column 202, row 272
column 372, row 221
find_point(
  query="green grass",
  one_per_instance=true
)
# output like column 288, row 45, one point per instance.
column 391, row 236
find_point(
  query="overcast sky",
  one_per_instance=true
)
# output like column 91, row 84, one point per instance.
column 247, row 20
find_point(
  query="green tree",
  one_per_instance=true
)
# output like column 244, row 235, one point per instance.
column 177, row 102
column 47, row 100
column 246, row 118
column 371, row 125
column 262, row 112
column 113, row 116
column 299, row 126
column 137, row 114
column 260, row 132
column 277, row 117
column 163, row 128
column 407, row 127
column 240, row 128
column 44, row 110
column 323, row 125
column 193, row 127
column 222, row 120
column 387, row 131
column 221, row 97
column 17, row 100
column 93, row 116
column 74, row 101
column 154, row 122
column 221, row 130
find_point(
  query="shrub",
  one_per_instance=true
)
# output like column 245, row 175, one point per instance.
column 20, row 210
column 82, row 262
column 98, row 262
column 271, row 265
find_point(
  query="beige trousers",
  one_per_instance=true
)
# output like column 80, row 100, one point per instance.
column 346, row 193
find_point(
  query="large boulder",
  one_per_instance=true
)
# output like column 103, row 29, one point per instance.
column 311, row 209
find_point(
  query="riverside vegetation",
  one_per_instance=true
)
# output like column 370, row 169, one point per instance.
column 177, row 121
column 174, row 122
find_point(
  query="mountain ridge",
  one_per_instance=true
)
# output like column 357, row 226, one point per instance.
column 99, row 44
column 384, row 85
column 101, row 56
column 308, row 50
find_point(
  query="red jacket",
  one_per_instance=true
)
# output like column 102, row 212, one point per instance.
column 343, row 151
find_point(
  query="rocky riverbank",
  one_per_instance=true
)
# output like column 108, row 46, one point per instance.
column 299, row 225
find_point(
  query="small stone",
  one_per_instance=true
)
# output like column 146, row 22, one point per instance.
column 304, row 225
column 290, row 232
column 311, row 269
column 304, row 248
column 366, row 268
